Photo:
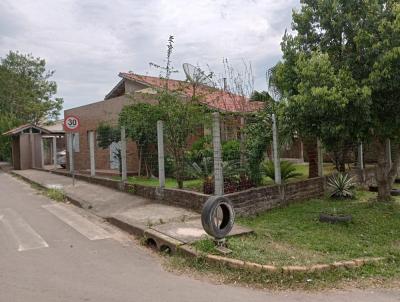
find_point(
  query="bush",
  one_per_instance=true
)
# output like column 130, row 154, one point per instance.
column 341, row 185
column 288, row 170
column 231, row 150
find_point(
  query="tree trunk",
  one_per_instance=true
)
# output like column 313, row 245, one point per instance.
column 385, row 171
column 140, row 161
column 310, row 145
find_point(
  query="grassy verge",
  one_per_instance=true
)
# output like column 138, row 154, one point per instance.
column 294, row 236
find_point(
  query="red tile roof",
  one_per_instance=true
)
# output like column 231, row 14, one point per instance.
column 210, row 96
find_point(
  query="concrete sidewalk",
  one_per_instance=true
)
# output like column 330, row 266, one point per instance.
column 132, row 213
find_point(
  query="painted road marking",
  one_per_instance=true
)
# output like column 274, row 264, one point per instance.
column 21, row 231
column 77, row 222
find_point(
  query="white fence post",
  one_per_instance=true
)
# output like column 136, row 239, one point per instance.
column 218, row 173
column 277, row 163
column 389, row 152
column 160, row 146
column 360, row 157
column 54, row 140
column 124, row 173
column 41, row 152
column 91, row 154
column 70, row 151
column 320, row 159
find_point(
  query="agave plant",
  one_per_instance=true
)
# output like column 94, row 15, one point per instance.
column 341, row 185
column 288, row 170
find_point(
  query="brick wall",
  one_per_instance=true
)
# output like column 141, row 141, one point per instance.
column 246, row 203
column 258, row 200
column 90, row 117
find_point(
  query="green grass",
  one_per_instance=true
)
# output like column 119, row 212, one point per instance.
column 294, row 236
column 55, row 194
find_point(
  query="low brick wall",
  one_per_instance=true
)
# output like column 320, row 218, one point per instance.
column 248, row 202
column 256, row 200
column 183, row 198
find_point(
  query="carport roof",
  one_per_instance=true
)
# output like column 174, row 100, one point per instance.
column 24, row 128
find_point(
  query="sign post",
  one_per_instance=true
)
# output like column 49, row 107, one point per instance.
column 71, row 126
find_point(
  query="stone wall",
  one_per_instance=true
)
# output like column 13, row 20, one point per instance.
column 256, row 200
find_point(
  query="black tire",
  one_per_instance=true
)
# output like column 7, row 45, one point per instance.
column 212, row 228
column 395, row 192
column 334, row 219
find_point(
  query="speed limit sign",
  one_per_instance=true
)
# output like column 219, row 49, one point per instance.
column 71, row 123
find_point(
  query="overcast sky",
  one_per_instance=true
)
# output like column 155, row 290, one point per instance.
column 88, row 42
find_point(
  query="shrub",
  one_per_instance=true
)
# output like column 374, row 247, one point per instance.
column 231, row 150
column 341, row 185
column 288, row 170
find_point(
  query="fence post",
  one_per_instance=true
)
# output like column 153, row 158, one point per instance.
column 124, row 173
column 41, row 152
column 70, row 151
column 242, row 141
column 277, row 164
column 160, row 146
column 389, row 152
column 91, row 154
column 218, row 174
column 320, row 159
column 360, row 157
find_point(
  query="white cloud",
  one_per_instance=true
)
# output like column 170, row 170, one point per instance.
column 89, row 42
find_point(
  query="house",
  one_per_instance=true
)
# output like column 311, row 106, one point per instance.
column 134, row 88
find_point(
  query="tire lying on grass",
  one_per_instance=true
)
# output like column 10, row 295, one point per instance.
column 218, row 216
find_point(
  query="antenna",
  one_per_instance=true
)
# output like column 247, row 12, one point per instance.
column 196, row 76
column 272, row 89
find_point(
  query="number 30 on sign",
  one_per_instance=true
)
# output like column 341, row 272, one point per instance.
column 71, row 123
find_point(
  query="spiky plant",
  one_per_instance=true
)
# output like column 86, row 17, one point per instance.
column 341, row 185
column 288, row 170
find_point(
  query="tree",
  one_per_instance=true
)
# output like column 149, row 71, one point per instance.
column 261, row 96
column 358, row 43
column 26, row 90
column 106, row 135
column 183, row 118
column 140, row 121
column 26, row 95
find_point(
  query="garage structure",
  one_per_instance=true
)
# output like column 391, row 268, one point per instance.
column 29, row 148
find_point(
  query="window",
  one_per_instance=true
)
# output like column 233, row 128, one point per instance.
column 75, row 143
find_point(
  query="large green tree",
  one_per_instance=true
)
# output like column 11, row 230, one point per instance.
column 183, row 118
column 339, row 75
column 27, row 95
column 140, row 121
column 26, row 90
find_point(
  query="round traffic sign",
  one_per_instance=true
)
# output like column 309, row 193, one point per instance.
column 71, row 123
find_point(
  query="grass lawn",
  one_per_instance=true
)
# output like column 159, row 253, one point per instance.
column 294, row 236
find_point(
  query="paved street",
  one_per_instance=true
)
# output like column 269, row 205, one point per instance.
column 55, row 252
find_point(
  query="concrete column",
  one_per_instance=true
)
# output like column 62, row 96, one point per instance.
column 389, row 152
column 218, row 173
column 123, row 154
column 91, row 154
column 41, row 152
column 160, row 145
column 301, row 151
column 320, row 159
column 54, row 141
column 70, row 152
column 242, row 141
column 360, row 157
column 277, row 163
column 32, row 144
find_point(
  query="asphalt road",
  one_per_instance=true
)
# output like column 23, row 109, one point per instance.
column 55, row 252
